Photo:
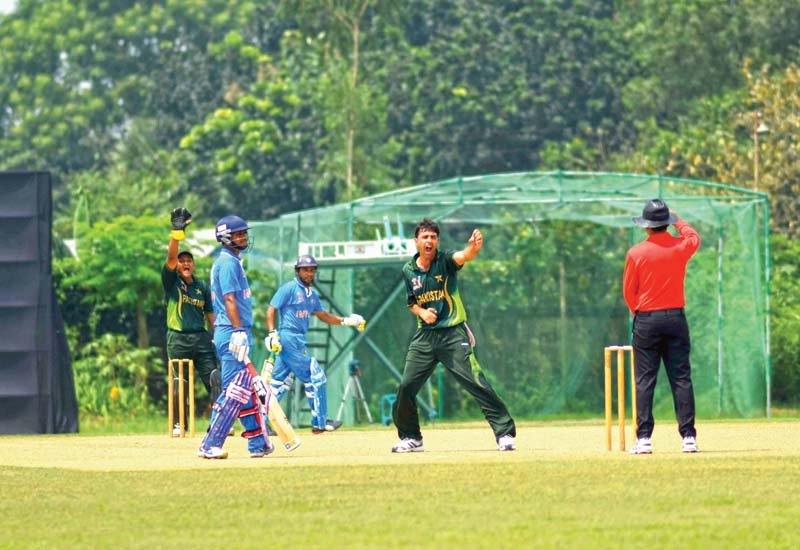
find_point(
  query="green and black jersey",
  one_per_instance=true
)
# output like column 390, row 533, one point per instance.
column 187, row 304
column 436, row 288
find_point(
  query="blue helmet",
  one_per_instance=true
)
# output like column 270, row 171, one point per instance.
column 306, row 260
column 229, row 225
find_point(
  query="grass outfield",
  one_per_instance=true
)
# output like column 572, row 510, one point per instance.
column 345, row 489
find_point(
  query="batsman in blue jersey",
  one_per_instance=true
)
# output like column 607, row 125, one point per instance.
column 233, row 335
column 297, row 301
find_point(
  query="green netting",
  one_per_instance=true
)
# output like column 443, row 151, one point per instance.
column 544, row 296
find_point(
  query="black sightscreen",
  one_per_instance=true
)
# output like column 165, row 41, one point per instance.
column 37, row 393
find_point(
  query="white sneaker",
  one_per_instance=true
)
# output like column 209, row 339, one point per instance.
column 212, row 452
column 176, row 430
column 506, row 443
column 330, row 426
column 408, row 445
column 690, row 445
column 643, row 446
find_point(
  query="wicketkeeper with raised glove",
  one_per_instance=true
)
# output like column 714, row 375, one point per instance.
column 188, row 302
column 233, row 335
column 296, row 301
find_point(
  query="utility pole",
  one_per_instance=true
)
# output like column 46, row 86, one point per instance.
column 759, row 128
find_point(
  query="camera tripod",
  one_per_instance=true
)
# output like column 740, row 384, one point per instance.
column 354, row 384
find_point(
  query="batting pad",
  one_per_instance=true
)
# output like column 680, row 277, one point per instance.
column 237, row 396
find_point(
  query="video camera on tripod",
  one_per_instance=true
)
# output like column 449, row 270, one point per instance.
column 355, row 368
column 353, row 384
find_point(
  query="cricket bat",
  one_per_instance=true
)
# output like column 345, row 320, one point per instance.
column 277, row 418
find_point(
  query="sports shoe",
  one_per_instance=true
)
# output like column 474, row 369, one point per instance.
column 506, row 443
column 408, row 445
column 263, row 452
column 643, row 446
column 212, row 452
column 690, row 445
column 176, row 430
column 330, row 425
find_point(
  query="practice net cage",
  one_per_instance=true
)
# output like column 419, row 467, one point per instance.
column 544, row 296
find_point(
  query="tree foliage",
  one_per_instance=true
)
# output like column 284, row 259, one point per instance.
column 75, row 75
column 776, row 98
column 120, row 265
column 480, row 88
column 786, row 321
column 691, row 49
column 111, row 376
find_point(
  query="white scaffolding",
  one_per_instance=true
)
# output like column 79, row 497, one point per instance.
column 354, row 253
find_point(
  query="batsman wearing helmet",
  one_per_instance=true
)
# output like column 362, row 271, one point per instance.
column 296, row 301
column 188, row 307
column 442, row 335
column 231, row 298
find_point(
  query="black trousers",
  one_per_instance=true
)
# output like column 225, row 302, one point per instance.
column 198, row 347
column 663, row 335
column 451, row 346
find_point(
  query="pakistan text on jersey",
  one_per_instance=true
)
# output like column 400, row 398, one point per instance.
column 430, row 296
column 192, row 301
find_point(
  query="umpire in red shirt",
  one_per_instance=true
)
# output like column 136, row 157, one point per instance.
column 652, row 285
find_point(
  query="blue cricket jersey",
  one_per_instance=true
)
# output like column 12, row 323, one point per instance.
column 296, row 303
column 227, row 275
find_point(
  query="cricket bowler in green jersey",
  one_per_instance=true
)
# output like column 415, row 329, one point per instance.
column 442, row 335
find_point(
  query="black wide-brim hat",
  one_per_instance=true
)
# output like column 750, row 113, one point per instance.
column 655, row 214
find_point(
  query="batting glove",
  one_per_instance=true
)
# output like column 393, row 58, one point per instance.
column 180, row 218
column 273, row 342
column 355, row 320
column 261, row 388
column 266, row 370
column 238, row 345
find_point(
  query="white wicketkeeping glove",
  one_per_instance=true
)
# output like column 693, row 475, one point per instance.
column 273, row 342
column 238, row 345
column 354, row 320
column 260, row 387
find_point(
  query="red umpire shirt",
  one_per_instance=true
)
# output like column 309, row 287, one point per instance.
column 655, row 269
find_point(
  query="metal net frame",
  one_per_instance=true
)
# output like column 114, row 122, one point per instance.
column 544, row 296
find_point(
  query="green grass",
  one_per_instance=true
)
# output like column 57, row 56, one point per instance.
column 124, row 425
column 560, row 489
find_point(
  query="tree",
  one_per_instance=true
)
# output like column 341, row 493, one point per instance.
column 715, row 141
column 683, row 50
column 119, row 267
column 477, row 87
column 256, row 155
column 786, row 320
column 275, row 146
column 74, row 76
column 139, row 173
column 693, row 49
column 349, row 100
column 776, row 97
